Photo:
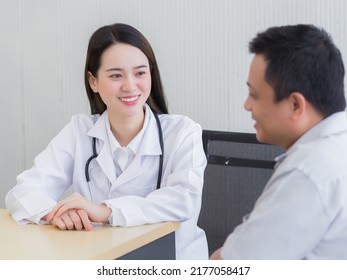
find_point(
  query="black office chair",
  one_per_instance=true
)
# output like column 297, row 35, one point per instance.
column 238, row 169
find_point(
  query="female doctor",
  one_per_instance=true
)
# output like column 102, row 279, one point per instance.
column 113, row 158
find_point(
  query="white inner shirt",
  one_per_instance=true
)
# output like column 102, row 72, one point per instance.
column 123, row 156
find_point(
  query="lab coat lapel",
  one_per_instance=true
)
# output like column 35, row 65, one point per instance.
column 106, row 163
column 132, row 172
column 104, row 157
column 150, row 143
column 149, row 146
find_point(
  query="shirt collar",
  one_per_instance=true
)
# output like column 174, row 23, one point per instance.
column 134, row 145
column 334, row 124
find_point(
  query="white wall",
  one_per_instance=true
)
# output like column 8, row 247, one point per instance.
column 201, row 47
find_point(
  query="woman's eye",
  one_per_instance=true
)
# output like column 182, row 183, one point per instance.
column 115, row 76
column 141, row 73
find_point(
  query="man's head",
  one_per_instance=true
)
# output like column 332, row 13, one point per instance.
column 295, row 80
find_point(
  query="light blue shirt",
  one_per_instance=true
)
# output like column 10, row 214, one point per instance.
column 302, row 213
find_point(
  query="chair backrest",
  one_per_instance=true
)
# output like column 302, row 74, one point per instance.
column 237, row 171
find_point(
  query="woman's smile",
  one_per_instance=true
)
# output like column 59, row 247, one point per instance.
column 129, row 100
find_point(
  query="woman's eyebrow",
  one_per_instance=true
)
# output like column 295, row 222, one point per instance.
column 120, row 69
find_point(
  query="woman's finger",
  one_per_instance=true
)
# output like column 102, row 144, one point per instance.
column 75, row 218
column 87, row 224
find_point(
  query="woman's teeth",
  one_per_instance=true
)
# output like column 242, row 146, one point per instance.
column 129, row 99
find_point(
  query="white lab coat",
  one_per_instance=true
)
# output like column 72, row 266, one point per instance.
column 132, row 196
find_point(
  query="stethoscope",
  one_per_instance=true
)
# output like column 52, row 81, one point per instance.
column 95, row 154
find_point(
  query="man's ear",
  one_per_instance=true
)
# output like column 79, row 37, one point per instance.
column 298, row 103
column 92, row 82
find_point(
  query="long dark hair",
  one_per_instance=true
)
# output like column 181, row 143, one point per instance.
column 107, row 36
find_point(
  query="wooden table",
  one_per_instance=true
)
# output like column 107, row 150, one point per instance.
column 24, row 242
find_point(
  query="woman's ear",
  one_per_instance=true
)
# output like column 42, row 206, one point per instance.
column 92, row 82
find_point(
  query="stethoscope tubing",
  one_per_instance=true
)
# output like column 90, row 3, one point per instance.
column 161, row 157
column 161, row 143
column 94, row 155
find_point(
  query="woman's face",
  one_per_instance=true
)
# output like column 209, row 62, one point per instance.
column 123, row 80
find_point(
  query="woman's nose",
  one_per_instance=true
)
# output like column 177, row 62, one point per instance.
column 129, row 84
